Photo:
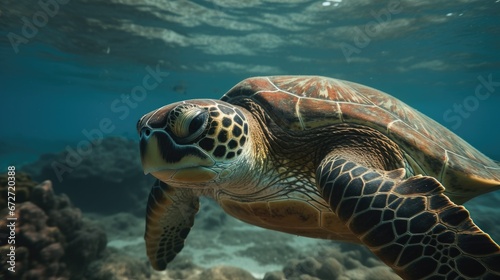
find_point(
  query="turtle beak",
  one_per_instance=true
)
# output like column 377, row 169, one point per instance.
column 166, row 160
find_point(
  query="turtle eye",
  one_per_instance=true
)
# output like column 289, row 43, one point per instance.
column 198, row 123
column 187, row 122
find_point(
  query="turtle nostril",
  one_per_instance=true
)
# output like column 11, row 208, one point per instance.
column 145, row 132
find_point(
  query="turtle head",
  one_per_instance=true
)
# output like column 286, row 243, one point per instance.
column 193, row 141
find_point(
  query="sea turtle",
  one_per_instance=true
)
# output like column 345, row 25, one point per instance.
column 323, row 158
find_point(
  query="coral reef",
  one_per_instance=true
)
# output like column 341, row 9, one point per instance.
column 105, row 177
column 52, row 240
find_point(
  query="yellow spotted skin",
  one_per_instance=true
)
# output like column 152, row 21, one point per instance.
column 322, row 158
column 227, row 132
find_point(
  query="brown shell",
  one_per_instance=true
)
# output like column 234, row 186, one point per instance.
column 301, row 103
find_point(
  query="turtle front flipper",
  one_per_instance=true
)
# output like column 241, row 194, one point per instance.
column 408, row 223
column 169, row 218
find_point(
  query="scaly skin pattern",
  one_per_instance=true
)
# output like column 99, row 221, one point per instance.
column 408, row 223
column 169, row 218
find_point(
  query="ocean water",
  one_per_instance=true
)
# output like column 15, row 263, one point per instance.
column 68, row 65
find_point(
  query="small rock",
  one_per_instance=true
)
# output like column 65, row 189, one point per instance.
column 87, row 245
column 274, row 275
column 333, row 252
column 330, row 269
column 306, row 277
column 117, row 266
column 43, row 196
column 357, row 273
column 289, row 269
column 372, row 262
column 309, row 266
column 381, row 272
column 52, row 253
column 224, row 273
column 351, row 263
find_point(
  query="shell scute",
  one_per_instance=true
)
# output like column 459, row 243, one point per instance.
column 281, row 104
column 423, row 150
column 314, row 113
column 301, row 103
